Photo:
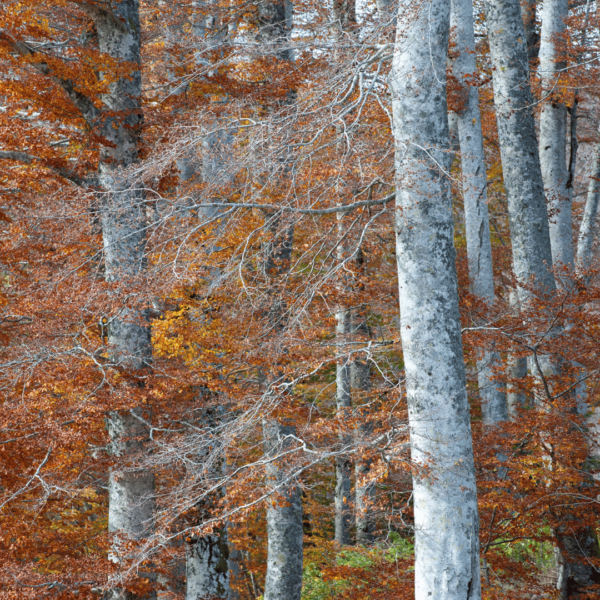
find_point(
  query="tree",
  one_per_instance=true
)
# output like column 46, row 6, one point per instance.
column 444, row 488
column 479, row 248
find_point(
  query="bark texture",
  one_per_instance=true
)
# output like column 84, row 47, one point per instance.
column 532, row 256
column 587, row 229
column 131, row 491
column 283, row 579
column 284, row 519
column 553, row 135
column 343, row 467
column 445, row 494
column 576, row 574
column 207, row 567
column 532, row 36
column 477, row 226
column 516, row 370
column 361, row 385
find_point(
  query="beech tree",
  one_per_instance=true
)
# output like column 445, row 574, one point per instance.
column 445, row 491
column 255, row 319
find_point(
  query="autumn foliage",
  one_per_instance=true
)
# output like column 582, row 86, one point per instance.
column 237, row 148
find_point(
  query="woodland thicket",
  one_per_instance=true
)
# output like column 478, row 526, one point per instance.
column 299, row 300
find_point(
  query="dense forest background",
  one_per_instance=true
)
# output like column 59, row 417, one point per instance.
column 299, row 300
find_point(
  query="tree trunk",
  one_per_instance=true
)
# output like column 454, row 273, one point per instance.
column 131, row 492
column 553, row 135
column 587, row 229
column 284, row 519
column 516, row 369
column 283, row 580
column 532, row 37
column 532, row 255
column 479, row 247
column 284, row 510
column 207, row 567
column 343, row 468
column 361, row 383
column 445, row 496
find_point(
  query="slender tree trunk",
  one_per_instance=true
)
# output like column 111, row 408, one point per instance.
column 479, row 247
column 344, row 17
column 361, row 384
column 516, row 369
column 130, row 492
column 553, row 135
column 574, row 113
column 445, row 496
column 532, row 255
column 343, row 468
column 283, row 580
column 284, row 510
column 365, row 491
column 588, row 223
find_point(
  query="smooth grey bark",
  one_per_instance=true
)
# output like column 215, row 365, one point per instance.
column 553, row 135
column 445, row 493
column 577, row 576
column 477, row 226
column 532, row 253
column 283, row 580
column 361, row 384
column 131, row 492
column 365, row 492
column 207, row 556
column 207, row 567
column 587, row 228
column 284, row 519
column 118, row 122
column 573, row 111
column 516, row 369
column 344, row 17
column 530, row 236
column 343, row 467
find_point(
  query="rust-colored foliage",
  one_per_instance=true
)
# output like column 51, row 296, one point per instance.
column 260, row 136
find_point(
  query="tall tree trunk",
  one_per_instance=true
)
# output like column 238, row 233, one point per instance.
column 479, row 247
column 131, row 492
column 283, row 580
column 361, row 384
column 343, row 468
column 532, row 255
column 344, row 17
column 284, row 519
column 574, row 113
column 587, row 229
column 445, row 497
column 284, row 510
column 553, row 134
